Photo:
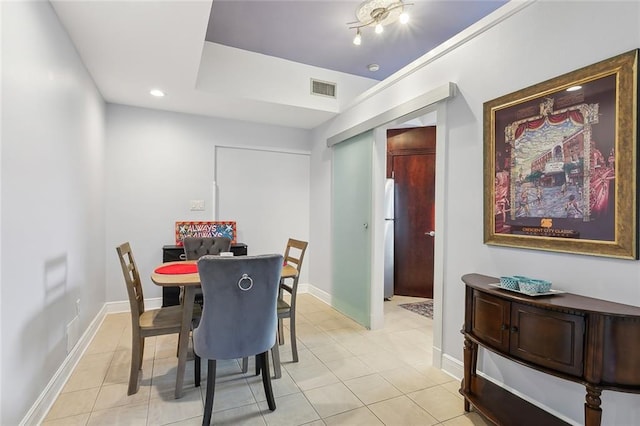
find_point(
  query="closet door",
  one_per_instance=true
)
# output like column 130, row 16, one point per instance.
column 267, row 194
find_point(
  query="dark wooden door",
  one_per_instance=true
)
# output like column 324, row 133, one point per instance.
column 411, row 162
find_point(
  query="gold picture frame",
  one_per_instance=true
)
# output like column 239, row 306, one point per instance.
column 560, row 162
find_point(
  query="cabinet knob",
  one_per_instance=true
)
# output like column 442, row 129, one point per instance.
column 514, row 329
column 504, row 327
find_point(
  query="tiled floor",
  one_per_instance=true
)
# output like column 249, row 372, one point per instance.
column 346, row 375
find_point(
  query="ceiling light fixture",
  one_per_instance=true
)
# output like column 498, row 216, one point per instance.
column 157, row 93
column 357, row 40
column 378, row 13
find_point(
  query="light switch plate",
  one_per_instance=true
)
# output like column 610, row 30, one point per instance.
column 197, row 205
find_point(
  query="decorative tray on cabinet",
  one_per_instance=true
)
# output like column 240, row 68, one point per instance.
column 551, row 292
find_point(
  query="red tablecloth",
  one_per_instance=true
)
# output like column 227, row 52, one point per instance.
column 187, row 268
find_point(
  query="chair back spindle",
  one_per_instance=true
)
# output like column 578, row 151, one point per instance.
column 133, row 282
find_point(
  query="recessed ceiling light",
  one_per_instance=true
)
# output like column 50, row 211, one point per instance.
column 373, row 67
column 157, row 93
column 574, row 88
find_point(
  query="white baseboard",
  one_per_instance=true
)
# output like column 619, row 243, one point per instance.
column 452, row 366
column 315, row 291
column 437, row 357
column 123, row 306
column 41, row 407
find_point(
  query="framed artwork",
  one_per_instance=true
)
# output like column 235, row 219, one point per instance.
column 560, row 163
column 205, row 229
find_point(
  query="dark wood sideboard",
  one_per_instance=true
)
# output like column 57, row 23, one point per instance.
column 173, row 253
column 582, row 339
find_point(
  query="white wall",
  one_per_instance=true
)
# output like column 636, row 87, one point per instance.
column 52, row 203
column 53, row 246
column 157, row 162
column 539, row 42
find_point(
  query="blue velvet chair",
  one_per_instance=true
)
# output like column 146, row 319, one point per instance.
column 239, row 318
column 196, row 247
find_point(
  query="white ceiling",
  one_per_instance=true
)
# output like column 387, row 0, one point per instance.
column 130, row 47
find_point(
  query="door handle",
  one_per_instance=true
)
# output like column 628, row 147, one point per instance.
column 430, row 233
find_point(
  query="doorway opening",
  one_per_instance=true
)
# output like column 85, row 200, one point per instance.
column 425, row 110
column 433, row 116
column 410, row 203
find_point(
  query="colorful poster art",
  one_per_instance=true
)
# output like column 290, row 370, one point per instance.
column 560, row 163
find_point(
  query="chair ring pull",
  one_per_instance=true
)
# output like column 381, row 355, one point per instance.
column 245, row 277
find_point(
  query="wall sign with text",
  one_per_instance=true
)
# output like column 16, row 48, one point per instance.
column 205, row 229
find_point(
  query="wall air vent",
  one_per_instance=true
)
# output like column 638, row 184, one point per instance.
column 323, row 88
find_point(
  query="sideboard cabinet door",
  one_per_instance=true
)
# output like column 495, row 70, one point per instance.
column 548, row 338
column 490, row 320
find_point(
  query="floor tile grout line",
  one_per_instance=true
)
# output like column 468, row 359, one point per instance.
column 332, row 341
column 375, row 372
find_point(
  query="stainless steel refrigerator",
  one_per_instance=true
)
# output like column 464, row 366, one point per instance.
column 389, row 191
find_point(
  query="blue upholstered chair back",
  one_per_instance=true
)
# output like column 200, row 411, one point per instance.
column 196, row 247
column 237, row 323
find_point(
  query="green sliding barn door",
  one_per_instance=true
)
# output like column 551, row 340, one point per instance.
column 351, row 230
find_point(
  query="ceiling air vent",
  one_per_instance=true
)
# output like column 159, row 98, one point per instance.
column 323, row 88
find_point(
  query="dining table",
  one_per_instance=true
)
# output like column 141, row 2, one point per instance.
column 183, row 274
